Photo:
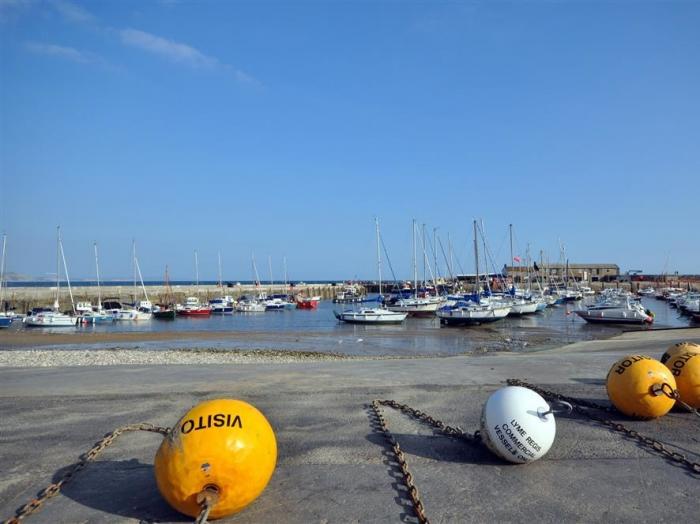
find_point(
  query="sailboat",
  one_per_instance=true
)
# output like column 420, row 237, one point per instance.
column 5, row 318
column 95, row 315
column 378, row 315
column 165, row 310
column 143, row 309
column 223, row 304
column 54, row 317
column 418, row 305
column 247, row 304
column 473, row 312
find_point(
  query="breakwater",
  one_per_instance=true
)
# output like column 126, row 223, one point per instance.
column 22, row 299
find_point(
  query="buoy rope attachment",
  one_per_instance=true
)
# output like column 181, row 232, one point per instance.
column 583, row 407
column 450, row 431
column 666, row 389
column 53, row 489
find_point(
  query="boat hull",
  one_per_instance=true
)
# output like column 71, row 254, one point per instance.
column 169, row 314
column 374, row 317
column 202, row 312
column 471, row 317
column 598, row 318
column 5, row 322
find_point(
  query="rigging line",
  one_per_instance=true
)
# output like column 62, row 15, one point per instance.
column 386, row 254
column 449, row 269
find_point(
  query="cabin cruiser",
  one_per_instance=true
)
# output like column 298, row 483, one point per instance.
column 371, row 316
column 222, row 305
column 248, row 304
column 425, row 305
column 193, row 308
column 621, row 310
column 349, row 294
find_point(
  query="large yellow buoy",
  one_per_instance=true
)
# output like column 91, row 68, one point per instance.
column 686, row 370
column 224, row 446
column 641, row 387
column 681, row 347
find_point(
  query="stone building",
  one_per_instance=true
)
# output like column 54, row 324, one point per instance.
column 581, row 272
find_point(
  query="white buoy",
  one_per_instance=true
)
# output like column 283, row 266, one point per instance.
column 517, row 425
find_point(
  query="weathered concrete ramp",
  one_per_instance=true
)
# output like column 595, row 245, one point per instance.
column 333, row 464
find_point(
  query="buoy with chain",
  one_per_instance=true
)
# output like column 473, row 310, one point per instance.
column 220, row 454
column 517, row 425
column 685, row 367
column 641, row 387
column 681, row 347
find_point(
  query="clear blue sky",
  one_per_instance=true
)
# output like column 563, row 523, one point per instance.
column 283, row 128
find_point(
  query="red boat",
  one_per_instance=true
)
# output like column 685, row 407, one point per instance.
column 307, row 303
column 193, row 308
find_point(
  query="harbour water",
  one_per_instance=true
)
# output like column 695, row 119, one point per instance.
column 319, row 331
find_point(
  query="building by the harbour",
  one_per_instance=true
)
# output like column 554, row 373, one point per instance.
column 580, row 272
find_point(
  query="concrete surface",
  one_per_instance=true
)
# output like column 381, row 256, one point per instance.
column 333, row 466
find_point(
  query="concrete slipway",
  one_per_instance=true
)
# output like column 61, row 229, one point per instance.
column 332, row 465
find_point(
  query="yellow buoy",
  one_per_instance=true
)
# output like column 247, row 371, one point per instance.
column 681, row 347
column 640, row 387
column 686, row 370
column 224, row 446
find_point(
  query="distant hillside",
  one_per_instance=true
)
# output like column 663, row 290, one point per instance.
column 19, row 277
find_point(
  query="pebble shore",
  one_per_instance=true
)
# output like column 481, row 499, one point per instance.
column 115, row 357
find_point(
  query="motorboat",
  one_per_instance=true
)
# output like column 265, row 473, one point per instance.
column 5, row 319
column 621, row 310
column 349, row 294
column 307, row 302
column 371, row 316
column 248, row 304
column 164, row 312
column 472, row 313
column 647, row 292
column 221, row 305
column 279, row 301
column 193, row 308
column 415, row 306
column 142, row 310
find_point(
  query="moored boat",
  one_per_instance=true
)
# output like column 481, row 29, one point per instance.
column 307, row 302
column 471, row 313
column 370, row 316
column 616, row 311
column 193, row 308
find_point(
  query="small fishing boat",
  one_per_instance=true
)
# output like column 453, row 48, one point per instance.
column 193, row 308
column 307, row 302
column 279, row 302
column 621, row 310
column 165, row 310
column 349, row 294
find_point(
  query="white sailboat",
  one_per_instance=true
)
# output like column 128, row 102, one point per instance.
column 470, row 312
column 417, row 305
column 143, row 309
column 378, row 315
column 5, row 318
column 95, row 315
column 54, row 318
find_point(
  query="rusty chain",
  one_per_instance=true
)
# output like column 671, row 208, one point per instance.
column 53, row 489
column 450, row 431
column 580, row 406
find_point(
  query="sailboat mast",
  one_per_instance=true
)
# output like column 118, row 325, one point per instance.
column 476, row 262
column 435, row 257
column 512, row 260
column 221, row 283
column 56, row 305
column 449, row 249
column 97, row 272
column 196, row 270
column 415, row 267
column 2, row 267
column 138, row 268
column 379, row 258
column 133, row 265
column 284, row 263
column 269, row 264
column 65, row 267
column 425, row 255
column 486, row 259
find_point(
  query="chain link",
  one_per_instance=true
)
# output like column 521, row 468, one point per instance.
column 450, row 431
column 53, row 489
column 580, row 406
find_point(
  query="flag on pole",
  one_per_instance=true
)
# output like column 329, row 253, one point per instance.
column 516, row 259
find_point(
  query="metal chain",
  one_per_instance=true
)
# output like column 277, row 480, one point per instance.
column 580, row 406
column 53, row 489
column 450, row 431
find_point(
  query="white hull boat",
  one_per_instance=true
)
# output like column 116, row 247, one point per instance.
column 250, row 307
column 616, row 312
column 416, row 306
column 371, row 316
column 471, row 313
column 50, row 319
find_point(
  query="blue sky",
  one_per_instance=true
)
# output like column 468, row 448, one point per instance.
column 283, row 128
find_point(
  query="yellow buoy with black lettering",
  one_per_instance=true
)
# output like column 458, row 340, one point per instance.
column 225, row 447
column 679, row 348
column 686, row 370
column 641, row 387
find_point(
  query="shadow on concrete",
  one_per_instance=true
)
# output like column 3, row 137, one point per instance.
column 591, row 381
column 437, row 447
column 126, row 488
